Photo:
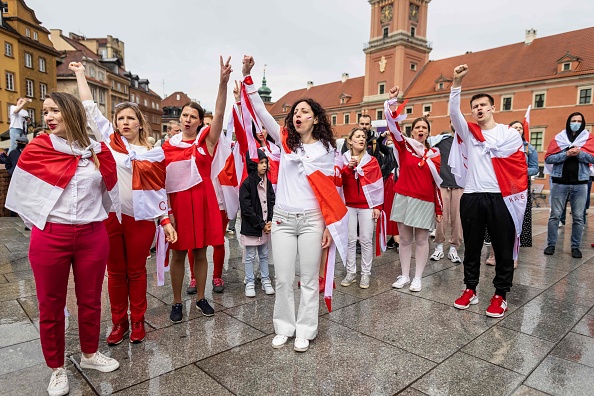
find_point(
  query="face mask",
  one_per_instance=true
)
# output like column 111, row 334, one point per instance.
column 575, row 126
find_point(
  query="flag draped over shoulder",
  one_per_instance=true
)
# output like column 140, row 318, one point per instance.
column 45, row 168
column 148, row 169
column 584, row 141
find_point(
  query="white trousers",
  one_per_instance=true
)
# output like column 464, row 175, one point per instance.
column 364, row 218
column 292, row 234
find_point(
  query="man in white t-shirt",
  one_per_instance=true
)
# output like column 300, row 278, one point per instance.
column 17, row 121
column 482, row 203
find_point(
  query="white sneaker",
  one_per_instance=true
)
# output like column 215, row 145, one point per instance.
column 301, row 344
column 279, row 340
column 267, row 287
column 437, row 255
column 453, row 255
column 349, row 279
column 58, row 385
column 99, row 362
column 250, row 290
column 401, row 281
column 415, row 285
column 364, row 282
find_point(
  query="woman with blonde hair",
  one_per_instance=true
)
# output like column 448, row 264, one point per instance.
column 364, row 196
column 64, row 186
column 141, row 183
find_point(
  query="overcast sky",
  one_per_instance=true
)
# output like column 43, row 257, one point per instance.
column 179, row 42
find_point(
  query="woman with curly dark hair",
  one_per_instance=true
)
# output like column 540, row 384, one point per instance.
column 299, row 227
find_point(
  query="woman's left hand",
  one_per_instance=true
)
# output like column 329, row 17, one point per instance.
column 170, row 233
column 375, row 214
column 326, row 239
column 438, row 218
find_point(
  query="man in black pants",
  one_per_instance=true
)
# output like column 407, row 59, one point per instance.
column 484, row 158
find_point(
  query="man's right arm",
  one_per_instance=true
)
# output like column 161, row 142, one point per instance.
column 456, row 116
column 19, row 106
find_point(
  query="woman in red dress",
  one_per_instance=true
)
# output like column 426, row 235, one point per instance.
column 194, row 205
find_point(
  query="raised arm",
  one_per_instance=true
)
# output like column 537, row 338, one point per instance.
column 100, row 126
column 217, row 122
column 19, row 105
column 84, row 92
column 268, row 121
column 458, row 120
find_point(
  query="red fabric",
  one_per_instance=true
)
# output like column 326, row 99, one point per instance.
column 353, row 189
column 416, row 181
column 392, row 228
column 196, row 210
column 52, row 252
column 129, row 244
column 56, row 168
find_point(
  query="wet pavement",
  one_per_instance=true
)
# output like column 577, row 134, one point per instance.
column 378, row 341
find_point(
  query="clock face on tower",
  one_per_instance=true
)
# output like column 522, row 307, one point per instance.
column 386, row 14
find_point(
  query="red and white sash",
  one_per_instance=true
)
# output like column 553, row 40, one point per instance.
column 584, row 141
column 509, row 164
column 45, row 168
column 431, row 157
column 180, row 161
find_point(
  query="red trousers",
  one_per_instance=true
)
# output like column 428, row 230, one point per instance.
column 218, row 254
column 52, row 252
column 129, row 244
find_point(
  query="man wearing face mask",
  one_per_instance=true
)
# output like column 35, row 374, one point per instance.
column 13, row 156
column 568, row 159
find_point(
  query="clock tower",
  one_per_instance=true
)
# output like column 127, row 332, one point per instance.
column 397, row 49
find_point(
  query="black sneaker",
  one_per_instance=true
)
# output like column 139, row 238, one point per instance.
column 205, row 307
column 576, row 253
column 390, row 244
column 154, row 249
column 177, row 314
column 550, row 250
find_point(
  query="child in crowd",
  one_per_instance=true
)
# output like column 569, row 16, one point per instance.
column 256, row 200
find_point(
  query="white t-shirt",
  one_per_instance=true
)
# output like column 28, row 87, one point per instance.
column 293, row 192
column 125, row 178
column 17, row 120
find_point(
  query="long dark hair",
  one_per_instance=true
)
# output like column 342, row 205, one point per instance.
column 523, row 131
column 322, row 130
column 255, row 134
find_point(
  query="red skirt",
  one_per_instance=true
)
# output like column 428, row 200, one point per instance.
column 392, row 228
column 197, row 217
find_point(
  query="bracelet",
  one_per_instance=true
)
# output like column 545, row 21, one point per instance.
column 165, row 221
column 170, row 212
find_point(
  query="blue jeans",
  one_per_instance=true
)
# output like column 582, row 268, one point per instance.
column 576, row 194
column 15, row 133
column 250, row 258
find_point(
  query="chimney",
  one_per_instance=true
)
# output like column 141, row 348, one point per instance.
column 309, row 84
column 530, row 36
column 345, row 76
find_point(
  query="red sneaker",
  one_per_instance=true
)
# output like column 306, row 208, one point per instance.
column 467, row 299
column 117, row 334
column 138, row 332
column 497, row 308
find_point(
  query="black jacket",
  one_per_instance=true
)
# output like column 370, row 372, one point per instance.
column 252, row 222
column 12, row 160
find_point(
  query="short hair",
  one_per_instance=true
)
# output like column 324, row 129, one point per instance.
column 364, row 116
column 482, row 95
column 209, row 115
column 171, row 123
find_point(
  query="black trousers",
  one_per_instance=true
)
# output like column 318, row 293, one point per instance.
column 477, row 211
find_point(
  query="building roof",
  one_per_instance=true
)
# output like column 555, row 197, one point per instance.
column 74, row 56
column 511, row 64
column 173, row 101
column 327, row 95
